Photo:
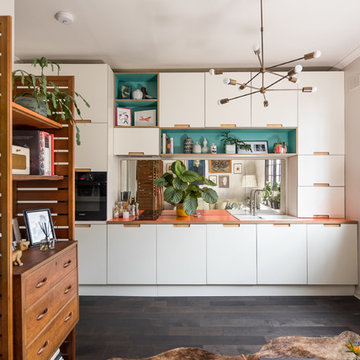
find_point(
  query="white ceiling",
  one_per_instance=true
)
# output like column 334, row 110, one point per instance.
column 168, row 34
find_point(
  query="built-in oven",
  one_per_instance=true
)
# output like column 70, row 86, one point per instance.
column 90, row 195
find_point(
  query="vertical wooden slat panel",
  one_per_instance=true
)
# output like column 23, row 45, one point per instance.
column 6, row 328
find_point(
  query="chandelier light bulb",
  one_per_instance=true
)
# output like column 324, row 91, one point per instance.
column 314, row 89
column 317, row 54
column 226, row 81
column 212, row 71
column 256, row 48
column 298, row 69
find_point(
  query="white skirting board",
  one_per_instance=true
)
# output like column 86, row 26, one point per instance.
column 165, row 290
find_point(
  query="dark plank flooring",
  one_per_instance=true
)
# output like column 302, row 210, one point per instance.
column 144, row 326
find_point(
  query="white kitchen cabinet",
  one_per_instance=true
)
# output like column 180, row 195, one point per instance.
column 132, row 254
column 92, row 153
column 92, row 253
column 234, row 112
column 321, row 169
column 321, row 114
column 282, row 109
column 181, row 254
column 231, row 254
column 332, row 254
column 133, row 140
column 314, row 201
column 181, row 99
column 281, row 256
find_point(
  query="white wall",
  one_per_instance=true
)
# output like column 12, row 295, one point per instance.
column 352, row 133
column 7, row 7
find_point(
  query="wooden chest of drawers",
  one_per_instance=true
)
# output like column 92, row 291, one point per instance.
column 46, row 302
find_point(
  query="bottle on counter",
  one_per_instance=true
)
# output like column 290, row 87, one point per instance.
column 132, row 206
column 116, row 212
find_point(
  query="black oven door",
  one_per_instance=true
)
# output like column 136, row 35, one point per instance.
column 90, row 195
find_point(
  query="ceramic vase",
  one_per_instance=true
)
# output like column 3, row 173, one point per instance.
column 188, row 145
column 197, row 148
column 230, row 149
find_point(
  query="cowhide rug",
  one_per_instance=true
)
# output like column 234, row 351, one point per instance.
column 321, row 348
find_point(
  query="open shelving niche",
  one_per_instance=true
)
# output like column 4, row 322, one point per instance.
column 136, row 81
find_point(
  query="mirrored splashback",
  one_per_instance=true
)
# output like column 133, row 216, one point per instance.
column 236, row 182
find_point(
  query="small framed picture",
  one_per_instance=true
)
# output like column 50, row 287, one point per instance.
column 257, row 147
column 224, row 181
column 123, row 116
column 16, row 231
column 237, row 168
column 168, row 168
column 145, row 118
column 220, row 166
column 213, row 178
column 36, row 221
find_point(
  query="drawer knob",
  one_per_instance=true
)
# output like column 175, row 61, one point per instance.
column 41, row 315
column 46, row 343
column 67, row 289
column 68, row 317
column 67, row 264
column 41, row 283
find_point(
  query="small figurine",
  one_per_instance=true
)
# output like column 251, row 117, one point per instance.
column 17, row 254
column 205, row 148
column 137, row 94
column 196, row 148
column 213, row 149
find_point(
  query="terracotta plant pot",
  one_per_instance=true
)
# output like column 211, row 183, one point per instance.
column 180, row 210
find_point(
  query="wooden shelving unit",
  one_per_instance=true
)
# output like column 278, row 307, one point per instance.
column 225, row 156
column 37, row 177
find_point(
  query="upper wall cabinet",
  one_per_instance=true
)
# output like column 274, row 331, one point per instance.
column 234, row 112
column 181, row 99
column 321, row 114
column 282, row 109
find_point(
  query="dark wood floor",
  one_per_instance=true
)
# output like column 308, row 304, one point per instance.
column 140, row 327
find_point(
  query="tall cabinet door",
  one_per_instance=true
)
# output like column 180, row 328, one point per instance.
column 282, row 257
column 231, row 254
column 181, row 254
column 234, row 112
column 92, row 253
column 282, row 109
column 181, row 99
column 132, row 254
column 321, row 114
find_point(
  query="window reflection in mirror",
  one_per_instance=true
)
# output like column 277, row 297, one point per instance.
column 236, row 182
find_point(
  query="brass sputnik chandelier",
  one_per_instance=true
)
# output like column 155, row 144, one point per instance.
column 259, row 52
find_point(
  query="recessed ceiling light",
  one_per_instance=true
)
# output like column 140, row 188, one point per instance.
column 64, row 17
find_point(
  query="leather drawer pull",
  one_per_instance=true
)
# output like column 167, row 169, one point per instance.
column 40, row 316
column 66, row 291
column 67, row 264
column 231, row 225
column 132, row 225
column 282, row 225
column 321, row 184
column 41, row 283
column 274, row 125
column 321, row 216
column 83, row 170
column 321, row 153
column 228, row 125
column 332, row 225
column 181, row 225
column 83, row 225
column 68, row 317
column 182, row 125
column 46, row 343
column 136, row 153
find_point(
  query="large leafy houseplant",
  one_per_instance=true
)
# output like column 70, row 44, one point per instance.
column 179, row 188
column 50, row 99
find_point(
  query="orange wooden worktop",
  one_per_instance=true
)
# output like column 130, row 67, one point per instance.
column 222, row 217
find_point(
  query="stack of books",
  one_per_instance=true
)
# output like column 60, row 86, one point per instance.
column 57, row 355
column 41, row 146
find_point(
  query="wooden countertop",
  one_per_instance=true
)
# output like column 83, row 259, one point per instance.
column 222, row 217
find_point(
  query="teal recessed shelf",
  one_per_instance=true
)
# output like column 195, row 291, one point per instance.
column 133, row 82
column 270, row 135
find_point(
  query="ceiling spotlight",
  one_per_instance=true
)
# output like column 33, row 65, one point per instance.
column 64, row 17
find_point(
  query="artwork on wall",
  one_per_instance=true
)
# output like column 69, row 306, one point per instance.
column 220, row 166
column 237, row 168
column 213, row 178
column 145, row 118
column 168, row 168
column 123, row 116
column 224, row 181
column 199, row 167
column 257, row 147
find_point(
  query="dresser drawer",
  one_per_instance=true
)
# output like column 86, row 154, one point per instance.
column 52, row 337
column 44, row 310
column 44, row 278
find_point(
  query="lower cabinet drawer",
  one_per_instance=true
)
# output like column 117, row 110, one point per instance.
column 43, row 311
column 44, row 278
column 54, row 334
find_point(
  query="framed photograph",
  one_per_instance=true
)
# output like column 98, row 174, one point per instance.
column 224, row 181
column 145, row 118
column 34, row 221
column 213, row 178
column 16, row 231
column 123, row 116
column 168, row 168
column 237, row 168
column 257, row 147
column 220, row 166
column 199, row 167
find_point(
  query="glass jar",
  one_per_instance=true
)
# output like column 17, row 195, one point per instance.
column 51, row 243
column 44, row 244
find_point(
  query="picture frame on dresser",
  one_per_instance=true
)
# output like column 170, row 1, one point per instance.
column 34, row 220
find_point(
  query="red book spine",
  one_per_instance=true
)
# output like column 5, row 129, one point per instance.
column 52, row 155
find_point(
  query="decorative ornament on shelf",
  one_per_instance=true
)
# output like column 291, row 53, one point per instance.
column 188, row 145
column 213, row 149
column 17, row 254
column 259, row 52
column 205, row 148
column 197, row 148
column 137, row 94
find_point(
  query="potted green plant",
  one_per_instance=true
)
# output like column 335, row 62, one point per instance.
column 230, row 143
column 180, row 190
column 39, row 98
